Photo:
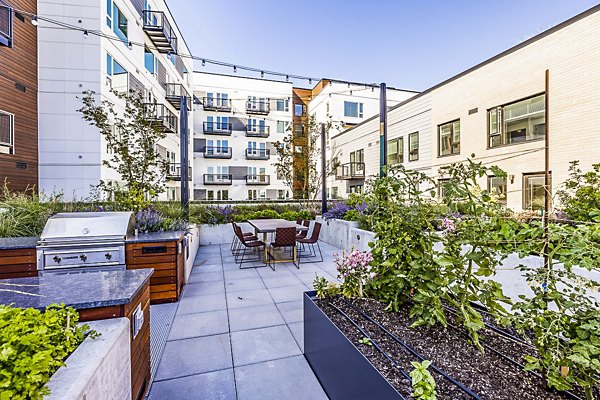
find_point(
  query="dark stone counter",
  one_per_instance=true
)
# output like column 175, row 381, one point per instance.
column 29, row 242
column 79, row 290
column 172, row 236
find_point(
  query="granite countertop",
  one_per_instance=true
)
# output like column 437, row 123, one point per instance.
column 171, row 236
column 29, row 242
column 78, row 290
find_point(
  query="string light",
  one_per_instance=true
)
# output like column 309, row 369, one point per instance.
column 234, row 69
column 203, row 63
column 262, row 74
column 130, row 45
column 85, row 34
column 34, row 20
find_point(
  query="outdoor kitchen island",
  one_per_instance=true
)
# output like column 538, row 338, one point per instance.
column 96, row 295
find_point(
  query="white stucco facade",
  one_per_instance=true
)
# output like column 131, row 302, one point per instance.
column 71, row 62
column 237, row 121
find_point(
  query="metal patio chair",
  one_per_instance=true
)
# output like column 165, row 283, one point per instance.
column 311, row 241
column 284, row 238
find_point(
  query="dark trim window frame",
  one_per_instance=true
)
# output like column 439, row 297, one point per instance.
column 520, row 121
column 397, row 156
column 441, row 186
column 449, row 138
column 6, row 24
column 413, row 146
column 498, row 185
column 533, row 190
column 353, row 109
column 7, row 133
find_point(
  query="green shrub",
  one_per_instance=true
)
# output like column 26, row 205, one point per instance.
column 581, row 194
column 33, row 345
column 422, row 382
column 352, row 215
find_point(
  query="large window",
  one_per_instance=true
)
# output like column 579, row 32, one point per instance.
column 533, row 191
column 413, row 146
column 7, row 132
column 357, row 156
column 352, row 109
column 395, row 151
column 281, row 126
column 497, row 186
column 449, row 138
column 517, row 122
column 442, row 187
column 150, row 61
column 116, row 76
column 116, row 20
column 283, row 105
column 298, row 130
column 299, row 110
column 6, row 24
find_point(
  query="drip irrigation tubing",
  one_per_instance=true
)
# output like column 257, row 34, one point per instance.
column 412, row 351
column 375, row 344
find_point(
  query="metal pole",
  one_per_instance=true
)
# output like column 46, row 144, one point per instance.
column 183, row 157
column 382, row 130
column 547, row 170
column 323, row 172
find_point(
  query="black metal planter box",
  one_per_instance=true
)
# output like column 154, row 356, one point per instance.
column 341, row 368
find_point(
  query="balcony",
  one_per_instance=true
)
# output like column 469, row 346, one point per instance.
column 174, row 93
column 217, row 152
column 258, row 179
column 158, row 28
column 261, row 107
column 217, row 179
column 161, row 117
column 212, row 104
column 174, row 172
column 258, row 154
column 217, row 128
column 352, row 170
column 259, row 131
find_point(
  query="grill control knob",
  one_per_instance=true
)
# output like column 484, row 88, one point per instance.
column 108, row 256
column 83, row 257
column 56, row 259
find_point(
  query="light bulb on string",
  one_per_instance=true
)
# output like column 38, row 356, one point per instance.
column 130, row 45
column 234, row 69
column 203, row 62
column 262, row 74
column 85, row 34
column 34, row 20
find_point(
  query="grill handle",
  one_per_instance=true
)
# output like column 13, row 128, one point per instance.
column 154, row 249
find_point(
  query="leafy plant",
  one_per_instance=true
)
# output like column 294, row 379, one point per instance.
column 366, row 341
column 324, row 288
column 338, row 211
column 131, row 138
column 422, row 382
column 354, row 271
column 580, row 196
column 33, row 345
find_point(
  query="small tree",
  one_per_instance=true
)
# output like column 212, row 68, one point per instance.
column 304, row 166
column 580, row 196
column 131, row 138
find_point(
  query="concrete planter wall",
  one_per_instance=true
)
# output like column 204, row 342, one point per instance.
column 336, row 232
column 99, row 368
column 219, row 234
column 359, row 238
column 193, row 241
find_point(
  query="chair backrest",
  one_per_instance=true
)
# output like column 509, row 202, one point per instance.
column 298, row 221
column 315, row 233
column 285, row 236
column 238, row 231
column 306, row 222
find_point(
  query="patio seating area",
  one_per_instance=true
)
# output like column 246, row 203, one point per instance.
column 238, row 333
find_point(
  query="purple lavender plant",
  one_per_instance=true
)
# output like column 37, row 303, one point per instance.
column 338, row 211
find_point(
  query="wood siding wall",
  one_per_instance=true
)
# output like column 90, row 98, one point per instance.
column 18, row 96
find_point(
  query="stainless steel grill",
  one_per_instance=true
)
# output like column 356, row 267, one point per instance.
column 84, row 241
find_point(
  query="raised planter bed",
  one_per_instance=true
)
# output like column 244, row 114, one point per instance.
column 348, row 369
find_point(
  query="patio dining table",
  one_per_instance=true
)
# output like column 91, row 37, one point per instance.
column 266, row 226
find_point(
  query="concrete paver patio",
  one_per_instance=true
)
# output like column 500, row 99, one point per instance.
column 238, row 334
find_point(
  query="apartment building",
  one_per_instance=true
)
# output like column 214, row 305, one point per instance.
column 344, row 105
column 237, row 121
column 495, row 112
column 73, row 61
column 18, row 95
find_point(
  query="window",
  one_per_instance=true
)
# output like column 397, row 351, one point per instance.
column 357, row 156
column 413, row 146
column 518, row 122
column 352, row 109
column 533, row 191
column 283, row 105
column 7, row 132
column 299, row 110
column 395, row 151
column 6, row 24
column 449, row 138
column 497, row 186
column 283, row 194
column 356, row 189
column 116, row 20
column 442, row 188
column 171, row 57
column 150, row 61
column 299, row 130
column 116, row 76
column 334, row 192
column 298, row 149
column 281, row 126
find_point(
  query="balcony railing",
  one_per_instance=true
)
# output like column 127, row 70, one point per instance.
column 212, row 104
column 352, row 170
column 217, row 152
column 260, row 106
column 174, row 172
column 217, row 128
column 161, row 117
column 261, row 131
column 217, row 179
column 258, row 154
column 158, row 28
column 174, row 93
column 258, row 179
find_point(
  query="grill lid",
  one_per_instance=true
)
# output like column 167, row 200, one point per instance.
column 87, row 226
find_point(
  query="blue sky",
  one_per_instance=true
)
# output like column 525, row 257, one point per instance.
column 407, row 44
